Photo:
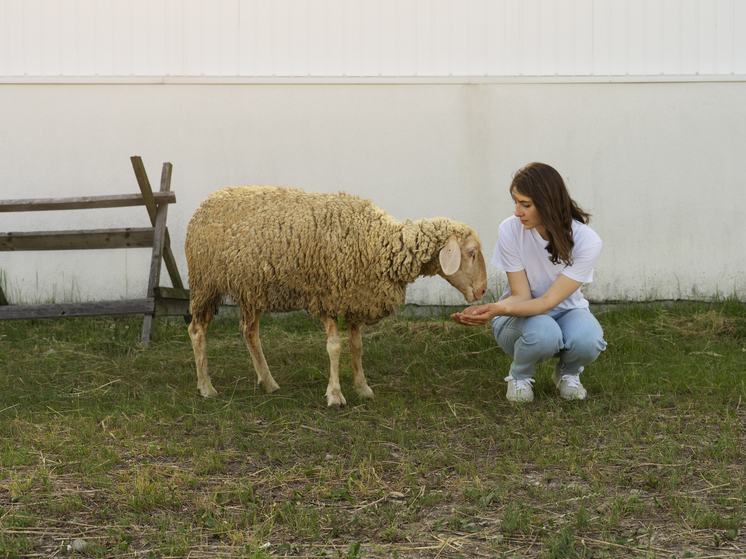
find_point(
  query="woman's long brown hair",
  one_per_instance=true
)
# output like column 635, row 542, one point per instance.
column 544, row 185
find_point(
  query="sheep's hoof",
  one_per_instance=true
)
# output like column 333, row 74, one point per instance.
column 365, row 392
column 270, row 386
column 336, row 400
column 207, row 390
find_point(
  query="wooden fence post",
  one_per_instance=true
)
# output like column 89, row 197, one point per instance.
column 159, row 238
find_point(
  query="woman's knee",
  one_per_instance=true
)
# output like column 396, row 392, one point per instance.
column 541, row 337
column 585, row 350
column 583, row 338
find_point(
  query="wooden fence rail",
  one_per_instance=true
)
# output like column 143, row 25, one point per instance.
column 158, row 301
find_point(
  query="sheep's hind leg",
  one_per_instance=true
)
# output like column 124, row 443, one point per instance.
column 334, row 395
column 250, row 332
column 198, row 335
column 356, row 348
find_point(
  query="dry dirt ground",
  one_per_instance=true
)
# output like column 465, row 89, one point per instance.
column 439, row 530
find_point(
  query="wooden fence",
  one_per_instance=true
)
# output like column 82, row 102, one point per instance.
column 158, row 301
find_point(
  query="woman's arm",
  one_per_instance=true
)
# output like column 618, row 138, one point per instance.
column 520, row 302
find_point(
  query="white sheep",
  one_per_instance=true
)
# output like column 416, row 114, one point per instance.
column 279, row 249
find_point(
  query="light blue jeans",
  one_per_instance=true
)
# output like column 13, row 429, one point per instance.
column 575, row 336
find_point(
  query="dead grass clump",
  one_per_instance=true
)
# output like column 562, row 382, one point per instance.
column 711, row 324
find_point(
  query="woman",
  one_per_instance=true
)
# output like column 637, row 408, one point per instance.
column 547, row 251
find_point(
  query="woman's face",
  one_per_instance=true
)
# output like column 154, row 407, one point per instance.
column 527, row 213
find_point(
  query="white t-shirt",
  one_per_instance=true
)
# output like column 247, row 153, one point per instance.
column 521, row 249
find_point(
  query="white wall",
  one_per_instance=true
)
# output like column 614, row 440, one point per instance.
column 427, row 107
column 370, row 38
column 658, row 165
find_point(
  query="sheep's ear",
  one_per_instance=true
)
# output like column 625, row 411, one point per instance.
column 450, row 257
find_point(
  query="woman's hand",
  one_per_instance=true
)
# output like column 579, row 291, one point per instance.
column 476, row 315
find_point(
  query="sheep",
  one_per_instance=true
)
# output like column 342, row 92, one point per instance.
column 280, row 249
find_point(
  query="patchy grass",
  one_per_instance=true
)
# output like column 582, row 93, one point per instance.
column 107, row 450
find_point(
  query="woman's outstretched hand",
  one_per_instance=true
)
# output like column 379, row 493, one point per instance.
column 476, row 315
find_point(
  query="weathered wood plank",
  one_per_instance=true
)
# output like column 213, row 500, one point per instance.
column 172, row 307
column 159, row 238
column 150, row 199
column 171, row 293
column 168, row 258
column 144, row 184
column 84, row 202
column 67, row 310
column 78, row 240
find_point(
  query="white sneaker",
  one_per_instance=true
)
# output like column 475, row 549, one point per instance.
column 569, row 386
column 519, row 390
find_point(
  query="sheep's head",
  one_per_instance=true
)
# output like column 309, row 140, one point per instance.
column 462, row 265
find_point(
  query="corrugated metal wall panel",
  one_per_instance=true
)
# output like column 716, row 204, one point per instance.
column 121, row 32
column 739, row 42
column 3, row 43
column 371, row 38
column 69, row 45
column 14, row 38
column 32, row 39
column 50, row 39
column 707, row 37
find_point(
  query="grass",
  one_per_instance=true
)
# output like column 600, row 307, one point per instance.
column 107, row 450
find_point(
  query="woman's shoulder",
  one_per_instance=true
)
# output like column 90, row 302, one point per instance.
column 584, row 233
column 587, row 243
column 511, row 223
column 511, row 228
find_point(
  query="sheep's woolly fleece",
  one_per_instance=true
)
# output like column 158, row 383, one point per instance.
column 277, row 249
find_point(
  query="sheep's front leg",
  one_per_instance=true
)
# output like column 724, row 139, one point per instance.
column 250, row 333
column 198, row 335
column 356, row 348
column 334, row 395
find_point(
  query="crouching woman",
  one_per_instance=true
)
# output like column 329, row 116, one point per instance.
column 547, row 251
